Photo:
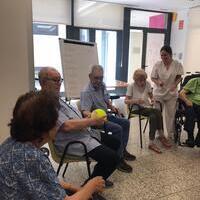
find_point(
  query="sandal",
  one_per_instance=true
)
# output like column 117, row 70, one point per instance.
column 153, row 147
column 165, row 142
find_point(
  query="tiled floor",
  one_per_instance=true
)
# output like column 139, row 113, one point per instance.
column 172, row 175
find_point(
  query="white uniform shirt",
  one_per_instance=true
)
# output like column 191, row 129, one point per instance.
column 139, row 93
column 168, row 77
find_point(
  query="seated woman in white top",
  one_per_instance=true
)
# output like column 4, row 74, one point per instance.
column 139, row 92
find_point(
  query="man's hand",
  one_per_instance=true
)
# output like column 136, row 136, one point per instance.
column 98, row 121
column 86, row 113
column 114, row 109
column 189, row 103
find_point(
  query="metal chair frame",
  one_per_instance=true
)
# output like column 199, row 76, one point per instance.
column 68, row 158
column 140, row 117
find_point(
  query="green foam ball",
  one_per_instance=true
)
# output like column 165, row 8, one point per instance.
column 98, row 113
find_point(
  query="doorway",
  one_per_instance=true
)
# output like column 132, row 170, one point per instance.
column 145, row 33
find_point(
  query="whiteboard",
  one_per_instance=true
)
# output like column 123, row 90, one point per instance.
column 76, row 59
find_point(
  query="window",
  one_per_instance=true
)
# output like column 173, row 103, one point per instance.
column 84, row 35
column 46, row 47
column 148, row 19
column 106, row 47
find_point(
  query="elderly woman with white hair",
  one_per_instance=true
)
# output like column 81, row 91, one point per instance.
column 140, row 93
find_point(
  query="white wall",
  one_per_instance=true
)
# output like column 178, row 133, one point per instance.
column 16, row 57
column 98, row 14
column 52, row 11
column 178, row 37
column 186, row 42
column 192, row 51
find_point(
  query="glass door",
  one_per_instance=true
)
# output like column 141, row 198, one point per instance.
column 145, row 33
column 135, row 52
column 144, row 51
column 154, row 42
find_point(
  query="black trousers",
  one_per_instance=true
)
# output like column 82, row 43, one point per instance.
column 191, row 113
column 106, row 156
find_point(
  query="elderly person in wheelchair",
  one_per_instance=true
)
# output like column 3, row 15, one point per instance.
column 139, row 94
column 190, row 94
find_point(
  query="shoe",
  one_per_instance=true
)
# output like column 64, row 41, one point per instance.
column 124, row 167
column 153, row 147
column 108, row 184
column 97, row 196
column 128, row 156
column 197, row 139
column 190, row 143
column 165, row 142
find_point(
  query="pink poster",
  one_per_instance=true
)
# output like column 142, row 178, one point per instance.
column 157, row 21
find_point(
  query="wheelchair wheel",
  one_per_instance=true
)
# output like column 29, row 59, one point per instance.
column 178, row 128
column 177, row 134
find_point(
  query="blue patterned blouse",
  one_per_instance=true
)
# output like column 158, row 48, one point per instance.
column 26, row 173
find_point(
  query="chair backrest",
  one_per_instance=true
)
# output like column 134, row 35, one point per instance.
column 57, row 156
column 188, row 77
column 131, row 108
column 66, row 158
column 78, row 104
column 54, row 153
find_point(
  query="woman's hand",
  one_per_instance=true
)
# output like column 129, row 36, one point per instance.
column 173, row 88
column 152, row 101
column 160, row 83
column 68, row 186
column 140, row 101
column 97, row 183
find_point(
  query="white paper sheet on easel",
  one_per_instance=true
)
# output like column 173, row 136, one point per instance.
column 77, row 58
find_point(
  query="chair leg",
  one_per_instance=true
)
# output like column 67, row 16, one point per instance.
column 140, row 126
column 63, row 175
column 88, row 168
column 58, row 170
column 145, row 126
column 59, row 167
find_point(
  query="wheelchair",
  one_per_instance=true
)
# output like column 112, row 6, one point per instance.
column 180, row 112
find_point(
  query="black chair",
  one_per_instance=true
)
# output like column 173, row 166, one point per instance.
column 68, row 158
column 137, row 113
column 131, row 114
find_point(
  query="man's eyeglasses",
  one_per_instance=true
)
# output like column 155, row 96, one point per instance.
column 57, row 81
column 98, row 78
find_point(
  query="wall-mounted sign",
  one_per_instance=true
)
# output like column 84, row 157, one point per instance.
column 181, row 24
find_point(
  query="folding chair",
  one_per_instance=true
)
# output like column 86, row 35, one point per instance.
column 131, row 114
column 68, row 158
